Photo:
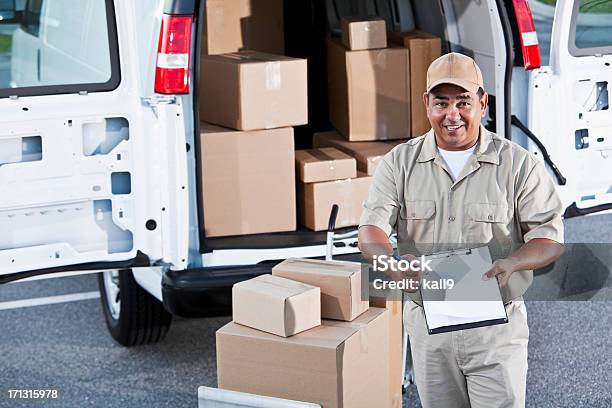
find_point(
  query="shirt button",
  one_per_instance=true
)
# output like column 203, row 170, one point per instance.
column 451, row 218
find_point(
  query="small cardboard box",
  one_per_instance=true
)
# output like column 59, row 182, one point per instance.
column 315, row 201
column 238, row 25
column 343, row 286
column 369, row 92
column 276, row 305
column 424, row 49
column 248, row 180
column 392, row 301
column 336, row 365
column 251, row 90
column 367, row 154
column 325, row 164
column 364, row 33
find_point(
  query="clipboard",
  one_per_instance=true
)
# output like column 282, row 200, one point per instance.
column 447, row 311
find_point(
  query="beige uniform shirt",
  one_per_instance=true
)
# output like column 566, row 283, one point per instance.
column 502, row 198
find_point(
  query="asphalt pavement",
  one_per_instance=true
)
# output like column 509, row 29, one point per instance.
column 66, row 347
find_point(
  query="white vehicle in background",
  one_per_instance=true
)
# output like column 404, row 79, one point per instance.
column 99, row 118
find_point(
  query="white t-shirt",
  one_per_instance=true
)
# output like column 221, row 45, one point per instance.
column 456, row 159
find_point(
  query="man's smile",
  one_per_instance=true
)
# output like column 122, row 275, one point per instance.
column 452, row 128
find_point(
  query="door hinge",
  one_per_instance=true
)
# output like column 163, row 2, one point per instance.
column 154, row 101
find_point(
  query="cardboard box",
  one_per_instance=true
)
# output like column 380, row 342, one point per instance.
column 315, row 201
column 276, row 305
column 369, row 92
column 238, row 25
column 367, row 154
column 343, row 286
column 262, row 25
column 424, row 49
column 364, row 33
column 336, row 365
column 248, row 181
column 392, row 301
column 252, row 90
column 325, row 164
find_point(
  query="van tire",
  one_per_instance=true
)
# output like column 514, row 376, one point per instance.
column 140, row 319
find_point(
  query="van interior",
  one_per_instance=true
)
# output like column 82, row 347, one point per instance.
column 306, row 25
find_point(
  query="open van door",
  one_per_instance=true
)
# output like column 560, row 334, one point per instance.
column 93, row 170
column 569, row 102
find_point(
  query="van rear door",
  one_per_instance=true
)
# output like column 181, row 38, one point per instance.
column 92, row 164
column 569, row 102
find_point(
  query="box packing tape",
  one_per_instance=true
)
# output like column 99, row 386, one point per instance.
column 345, row 212
column 328, row 264
column 273, row 76
column 361, row 331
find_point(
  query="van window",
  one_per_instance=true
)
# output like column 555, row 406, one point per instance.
column 58, row 46
column 591, row 28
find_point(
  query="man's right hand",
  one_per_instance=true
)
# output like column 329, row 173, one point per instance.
column 374, row 241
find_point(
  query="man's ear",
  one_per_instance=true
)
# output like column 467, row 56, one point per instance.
column 484, row 102
column 426, row 99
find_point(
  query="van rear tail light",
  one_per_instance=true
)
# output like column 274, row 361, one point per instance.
column 173, row 55
column 529, row 39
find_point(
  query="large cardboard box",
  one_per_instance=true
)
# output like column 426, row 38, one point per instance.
column 369, row 92
column 364, row 33
column 248, row 180
column 325, row 164
column 252, row 90
column 238, row 25
column 336, row 365
column 315, row 201
column 367, row 154
column 276, row 305
column 344, row 289
column 424, row 49
column 392, row 301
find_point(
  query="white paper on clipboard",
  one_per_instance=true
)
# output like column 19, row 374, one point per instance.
column 471, row 300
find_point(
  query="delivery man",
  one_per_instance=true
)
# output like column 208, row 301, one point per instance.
column 459, row 185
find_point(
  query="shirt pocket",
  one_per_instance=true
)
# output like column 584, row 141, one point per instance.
column 486, row 221
column 418, row 221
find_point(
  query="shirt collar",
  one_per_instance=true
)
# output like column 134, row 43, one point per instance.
column 485, row 151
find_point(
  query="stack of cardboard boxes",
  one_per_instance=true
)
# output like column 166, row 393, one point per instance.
column 328, row 176
column 278, row 345
column 375, row 101
column 249, row 101
column 251, row 97
column 375, row 90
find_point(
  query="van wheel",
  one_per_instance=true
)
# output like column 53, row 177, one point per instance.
column 132, row 315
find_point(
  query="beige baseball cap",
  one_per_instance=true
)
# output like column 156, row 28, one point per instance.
column 457, row 69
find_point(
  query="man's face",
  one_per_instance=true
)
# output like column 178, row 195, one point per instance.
column 454, row 115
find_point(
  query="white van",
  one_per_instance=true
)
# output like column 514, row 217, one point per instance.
column 99, row 117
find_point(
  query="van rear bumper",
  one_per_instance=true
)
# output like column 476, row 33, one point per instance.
column 205, row 292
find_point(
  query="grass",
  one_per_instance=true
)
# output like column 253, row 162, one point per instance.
column 588, row 6
column 5, row 43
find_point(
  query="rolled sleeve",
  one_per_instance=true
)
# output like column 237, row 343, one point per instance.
column 381, row 207
column 539, row 207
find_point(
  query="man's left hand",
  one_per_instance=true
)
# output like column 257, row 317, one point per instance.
column 502, row 268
